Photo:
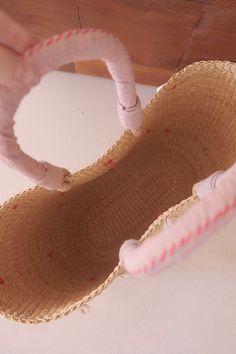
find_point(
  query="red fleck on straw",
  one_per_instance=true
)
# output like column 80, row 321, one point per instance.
column 2, row 282
column 15, row 206
column 110, row 163
column 50, row 254
column 92, row 278
column 62, row 194
column 61, row 204
column 174, row 87
column 148, row 131
column 167, row 130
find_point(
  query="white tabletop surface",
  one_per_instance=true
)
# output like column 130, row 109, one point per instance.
column 187, row 309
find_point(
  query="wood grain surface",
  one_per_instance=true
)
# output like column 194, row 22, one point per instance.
column 162, row 36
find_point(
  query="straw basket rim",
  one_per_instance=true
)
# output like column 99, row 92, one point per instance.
column 118, row 145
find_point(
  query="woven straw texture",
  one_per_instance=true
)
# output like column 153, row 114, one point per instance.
column 59, row 250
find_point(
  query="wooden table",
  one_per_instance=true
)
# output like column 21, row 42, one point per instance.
column 162, row 36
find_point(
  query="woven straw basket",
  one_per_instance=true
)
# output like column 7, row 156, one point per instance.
column 60, row 249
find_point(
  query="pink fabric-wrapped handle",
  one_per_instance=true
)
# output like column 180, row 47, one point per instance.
column 216, row 206
column 48, row 55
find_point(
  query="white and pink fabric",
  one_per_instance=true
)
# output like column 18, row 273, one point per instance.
column 49, row 55
column 216, row 206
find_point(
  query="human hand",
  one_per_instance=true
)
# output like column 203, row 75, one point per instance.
column 14, row 40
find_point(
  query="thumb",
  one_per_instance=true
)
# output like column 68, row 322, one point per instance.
column 13, row 35
column 9, row 65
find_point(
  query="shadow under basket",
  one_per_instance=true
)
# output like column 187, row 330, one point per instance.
column 60, row 249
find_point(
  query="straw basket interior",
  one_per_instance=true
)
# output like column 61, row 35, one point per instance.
column 58, row 247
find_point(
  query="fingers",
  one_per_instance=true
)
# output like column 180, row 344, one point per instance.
column 13, row 40
column 13, row 35
column 8, row 65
